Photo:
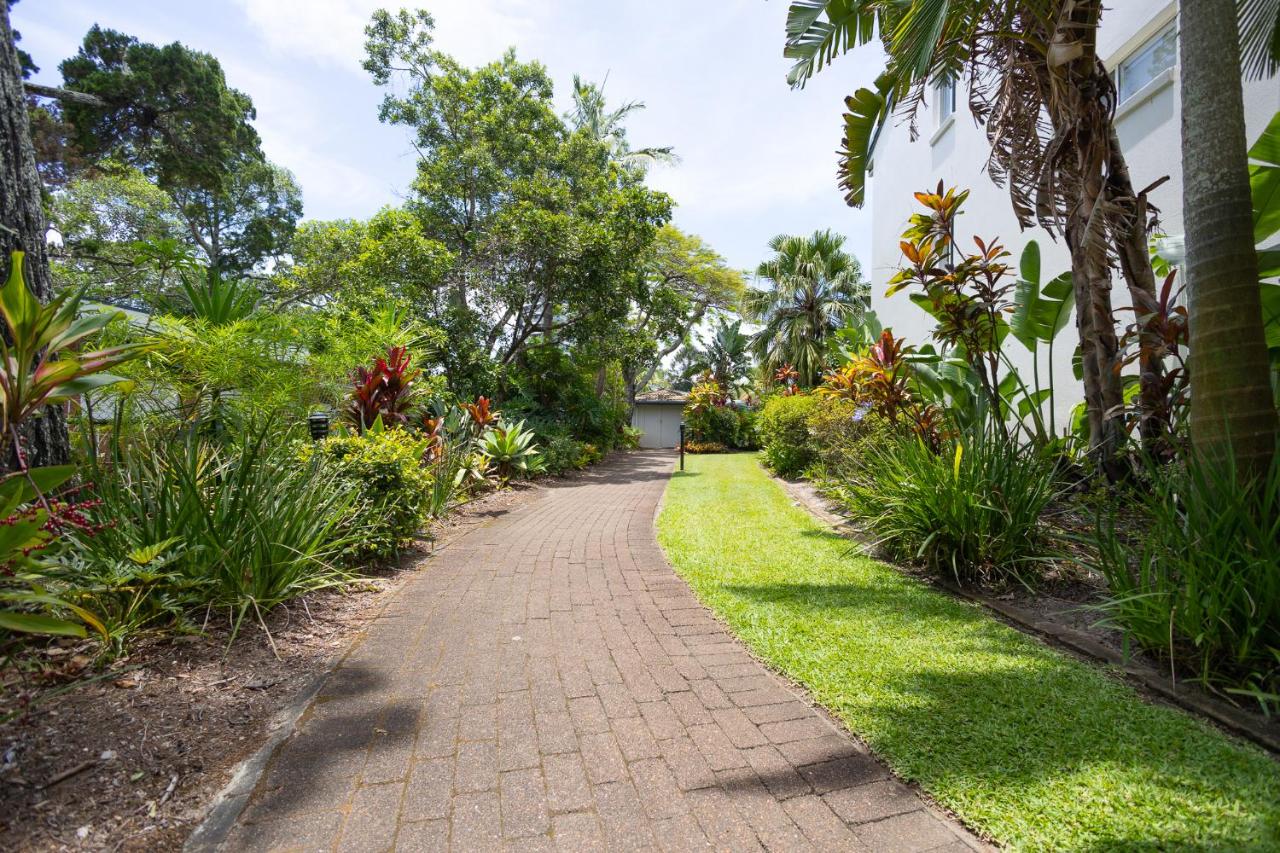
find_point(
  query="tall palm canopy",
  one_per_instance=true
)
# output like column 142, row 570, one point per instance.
column 815, row 288
column 590, row 113
column 725, row 353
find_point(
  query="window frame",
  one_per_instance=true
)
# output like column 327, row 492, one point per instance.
column 1118, row 71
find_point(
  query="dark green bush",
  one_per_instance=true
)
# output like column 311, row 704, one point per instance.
column 840, row 433
column 784, row 433
column 392, row 488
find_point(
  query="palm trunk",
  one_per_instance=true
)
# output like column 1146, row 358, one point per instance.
column 44, row 439
column 1233, row 415
column 1129, row 235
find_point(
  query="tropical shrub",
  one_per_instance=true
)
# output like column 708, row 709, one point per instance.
column 971, row 512
column 705, row 447
column 240, row 522
column 383, row 392
column 784, row 433
column 840, row 434
column 563, row 453
column 1194, row 574
column 384, row 469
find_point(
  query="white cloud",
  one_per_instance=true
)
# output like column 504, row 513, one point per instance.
column 332, row 31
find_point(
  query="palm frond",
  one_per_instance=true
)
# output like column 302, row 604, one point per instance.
column 813, row 42
column 1259, row 37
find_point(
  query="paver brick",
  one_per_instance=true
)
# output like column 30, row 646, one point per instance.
column 546, row 682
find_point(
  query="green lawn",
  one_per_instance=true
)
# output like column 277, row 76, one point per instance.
column 1035, row 749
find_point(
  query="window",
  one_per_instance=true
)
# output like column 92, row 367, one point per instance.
column 946, row 100
column 1157, row 55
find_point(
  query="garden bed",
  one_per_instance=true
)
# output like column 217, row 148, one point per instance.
column 128, row 758
column 1061, row 607
column 1027, row 745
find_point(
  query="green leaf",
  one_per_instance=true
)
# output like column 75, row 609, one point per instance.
column 35, row 623
column 867, row 112
column 1271, row 314
column 1039, row 315
column 19, row 306
column 814, row 42
column 1029, row 263
column 1264, row 181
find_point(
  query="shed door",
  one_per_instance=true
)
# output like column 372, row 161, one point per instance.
column 660, row 424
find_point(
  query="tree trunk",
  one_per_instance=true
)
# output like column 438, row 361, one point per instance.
column 1232, row 411
column 1129, row 236
column 22, row 227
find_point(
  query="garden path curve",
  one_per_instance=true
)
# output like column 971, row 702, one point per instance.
column 548, row 682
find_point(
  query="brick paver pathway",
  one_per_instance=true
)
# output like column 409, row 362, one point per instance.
column 547, row 682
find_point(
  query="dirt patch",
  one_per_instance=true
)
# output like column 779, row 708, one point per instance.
column 128, row 758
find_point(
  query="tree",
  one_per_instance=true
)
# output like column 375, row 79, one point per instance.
column 547, row 229
column 22, row 228
column 365, row 265
column 1025, row 63
column 165, row 110
column 725, row 354
column 607, row 126
column 682, row 280
column 815, row 288
column 1233, row 413
column 248, row 219
column 122, row 237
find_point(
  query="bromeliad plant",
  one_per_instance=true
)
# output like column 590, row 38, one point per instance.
column 1160, row 335
column 384, row 392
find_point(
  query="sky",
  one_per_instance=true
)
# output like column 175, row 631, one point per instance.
column 756, row 158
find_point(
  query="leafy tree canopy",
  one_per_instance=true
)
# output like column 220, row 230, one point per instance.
column 168, row 110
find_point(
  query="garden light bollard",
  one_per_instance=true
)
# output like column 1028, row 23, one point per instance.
column 682, row 445
column 319, row 424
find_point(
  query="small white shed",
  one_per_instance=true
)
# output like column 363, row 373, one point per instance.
column 657, row 415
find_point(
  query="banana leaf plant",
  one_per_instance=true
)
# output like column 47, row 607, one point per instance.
column 1039, row 314
column 41, row 365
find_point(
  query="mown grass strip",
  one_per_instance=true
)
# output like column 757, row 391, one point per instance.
column 1036, row 749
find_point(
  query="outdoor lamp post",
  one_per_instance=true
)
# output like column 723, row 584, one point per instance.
column 319, row 425
column 681, row 445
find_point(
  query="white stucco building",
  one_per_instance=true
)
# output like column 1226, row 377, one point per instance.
column 1138, row 42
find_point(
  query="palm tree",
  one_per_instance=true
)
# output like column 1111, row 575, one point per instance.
column 816, row 288
column 1232, row 409
column 589, row 113
column 1038, row 86
column 725, row 354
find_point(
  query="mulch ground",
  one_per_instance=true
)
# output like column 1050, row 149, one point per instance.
column 128, row 757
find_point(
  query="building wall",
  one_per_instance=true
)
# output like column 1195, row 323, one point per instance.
column 956, row 152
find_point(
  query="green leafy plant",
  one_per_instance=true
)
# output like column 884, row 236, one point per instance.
column 784, row 433
column 1194, row 574
column 511, row 450
column 385, row 469
column 256, row 528
column 1040, row 313
column 972, row 512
